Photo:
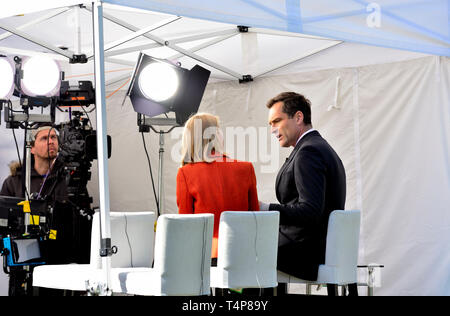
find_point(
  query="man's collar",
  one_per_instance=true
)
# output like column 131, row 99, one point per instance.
column 307, row 132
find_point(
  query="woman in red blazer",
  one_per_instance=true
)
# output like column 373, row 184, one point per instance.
column 209, row 181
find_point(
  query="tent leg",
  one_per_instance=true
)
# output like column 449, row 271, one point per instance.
column 102, row 144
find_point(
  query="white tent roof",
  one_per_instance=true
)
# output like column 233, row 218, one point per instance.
column 219, row 47
column 24, row 6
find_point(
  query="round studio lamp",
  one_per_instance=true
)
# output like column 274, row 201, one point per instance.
column 41, row 77
column 6, row 79
column 158, row 81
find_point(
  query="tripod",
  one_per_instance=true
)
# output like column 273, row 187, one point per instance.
column 145, row 124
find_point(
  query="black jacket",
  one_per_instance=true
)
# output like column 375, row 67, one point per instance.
column 309, row 186
column 54, row 187
column 72, row 244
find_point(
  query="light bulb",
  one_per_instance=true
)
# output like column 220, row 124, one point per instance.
column 41, row 76
column 158, row 82
column 6, row 78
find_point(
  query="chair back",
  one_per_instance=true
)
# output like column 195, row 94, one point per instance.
column 247, row 250
column 133, row 235
column 183, row 254
column 343, row 244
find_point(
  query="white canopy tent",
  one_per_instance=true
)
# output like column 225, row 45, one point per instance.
column 361, row 94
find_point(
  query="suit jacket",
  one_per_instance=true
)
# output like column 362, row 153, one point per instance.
column 309, row 186
column 223, row 185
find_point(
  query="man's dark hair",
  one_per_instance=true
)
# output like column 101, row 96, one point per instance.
column 293, row 102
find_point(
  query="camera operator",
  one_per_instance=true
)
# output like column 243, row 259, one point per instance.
column 44, row 171
column 49, row 182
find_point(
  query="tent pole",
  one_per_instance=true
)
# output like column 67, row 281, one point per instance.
column 77, row 43
column 102, row 145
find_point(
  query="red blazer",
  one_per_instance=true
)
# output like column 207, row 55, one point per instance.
column 223, row 185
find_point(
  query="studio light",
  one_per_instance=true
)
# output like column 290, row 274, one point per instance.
column 37, row 82
column 159, row 87
column 6, row 79
column 158, row 82
column 41, row 77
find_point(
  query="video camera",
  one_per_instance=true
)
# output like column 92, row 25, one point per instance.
column 78, row 148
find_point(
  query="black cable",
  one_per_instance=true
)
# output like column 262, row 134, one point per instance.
column 17, row 148
column 151, row 173
column 85, row 112
column 89, row 119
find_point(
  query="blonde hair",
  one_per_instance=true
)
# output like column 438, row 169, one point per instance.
column 201, row 137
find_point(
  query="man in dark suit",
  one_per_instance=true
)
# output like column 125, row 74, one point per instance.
column 309, row 186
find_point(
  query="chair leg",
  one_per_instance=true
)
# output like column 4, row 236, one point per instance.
column 281, row 290
column 332, row 289
column 353, row 289
column 308, row 289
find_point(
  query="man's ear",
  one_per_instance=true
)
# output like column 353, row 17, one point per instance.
column 299, row 117
column 32, row 150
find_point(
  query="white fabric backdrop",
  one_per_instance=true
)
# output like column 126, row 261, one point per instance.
column 392, row 132
column 391, row 129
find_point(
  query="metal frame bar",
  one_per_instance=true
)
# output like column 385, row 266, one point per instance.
column 205, row 45
column 138, row 34
column 22, row 52
column 205, row 61
column 283, row 33
column 163, row 42
column 121, row 62
column 180, row 40
column 77, row 42
column 36, row 21
column 66, row 53
column 102, row 144
column 300, row 58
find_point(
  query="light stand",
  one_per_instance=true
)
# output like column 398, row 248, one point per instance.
column 27, row 174
column 158, row 87
column 146, row 123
